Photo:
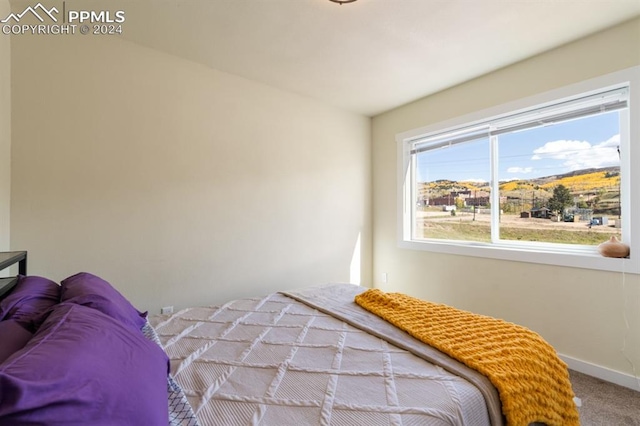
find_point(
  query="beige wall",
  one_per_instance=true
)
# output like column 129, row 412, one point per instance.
column 180, row 184
column 5, row 132
column 579, row 311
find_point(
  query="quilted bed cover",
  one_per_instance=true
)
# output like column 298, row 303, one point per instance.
column 313, row 357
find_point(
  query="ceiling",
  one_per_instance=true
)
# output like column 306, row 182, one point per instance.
column 371, row 55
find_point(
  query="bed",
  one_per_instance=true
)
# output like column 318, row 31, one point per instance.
column 304, row 357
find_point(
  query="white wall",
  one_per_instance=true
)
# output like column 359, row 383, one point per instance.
column 5, row 132
column 180, row 184
column 581, row 312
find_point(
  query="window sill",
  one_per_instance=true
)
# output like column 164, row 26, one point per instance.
column 586, row 258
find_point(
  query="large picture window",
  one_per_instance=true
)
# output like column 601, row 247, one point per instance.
column 545, row 180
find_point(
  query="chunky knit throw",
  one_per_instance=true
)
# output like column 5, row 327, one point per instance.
column 532, row 381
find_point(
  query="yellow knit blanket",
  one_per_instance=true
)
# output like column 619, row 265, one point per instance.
column 532, row 381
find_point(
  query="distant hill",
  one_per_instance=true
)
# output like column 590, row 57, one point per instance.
column 607, row 178
column 578, row 181
column 444, row 186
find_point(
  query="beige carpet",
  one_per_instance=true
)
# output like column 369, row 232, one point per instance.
column 605, row 404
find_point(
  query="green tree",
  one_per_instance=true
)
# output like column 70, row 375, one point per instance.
column 582, row 204
column 560, row 200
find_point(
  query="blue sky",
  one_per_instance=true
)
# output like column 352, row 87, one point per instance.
column 574, row 145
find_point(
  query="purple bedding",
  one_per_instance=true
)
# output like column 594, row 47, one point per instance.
column 29, row 301
column 75, row 354
column 94, row 292
column 13, row 337
column 85, row 368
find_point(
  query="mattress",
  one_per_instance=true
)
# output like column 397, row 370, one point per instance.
column 314, row 357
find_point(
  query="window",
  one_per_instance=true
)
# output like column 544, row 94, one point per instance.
column 543, row 180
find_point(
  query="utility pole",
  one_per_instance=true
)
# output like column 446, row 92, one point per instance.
column 475, row 203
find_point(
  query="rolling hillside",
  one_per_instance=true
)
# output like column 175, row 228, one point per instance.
column 598, row 189
column 578, row 181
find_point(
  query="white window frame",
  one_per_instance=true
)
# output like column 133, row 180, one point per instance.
column 550, row 254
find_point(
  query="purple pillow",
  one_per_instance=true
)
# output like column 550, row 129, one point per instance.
column 92, row 291
column 13, row 337
column 85, row 368
column 29, row 301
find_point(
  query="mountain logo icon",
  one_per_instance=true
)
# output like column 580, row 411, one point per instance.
column 34, row 11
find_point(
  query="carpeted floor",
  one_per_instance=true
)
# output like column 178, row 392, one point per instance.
column 605, row 404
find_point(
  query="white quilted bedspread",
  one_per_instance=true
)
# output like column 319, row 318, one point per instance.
column 277, row 361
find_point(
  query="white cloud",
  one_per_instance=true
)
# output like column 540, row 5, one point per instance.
column 524, row 170
column 578, row 155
